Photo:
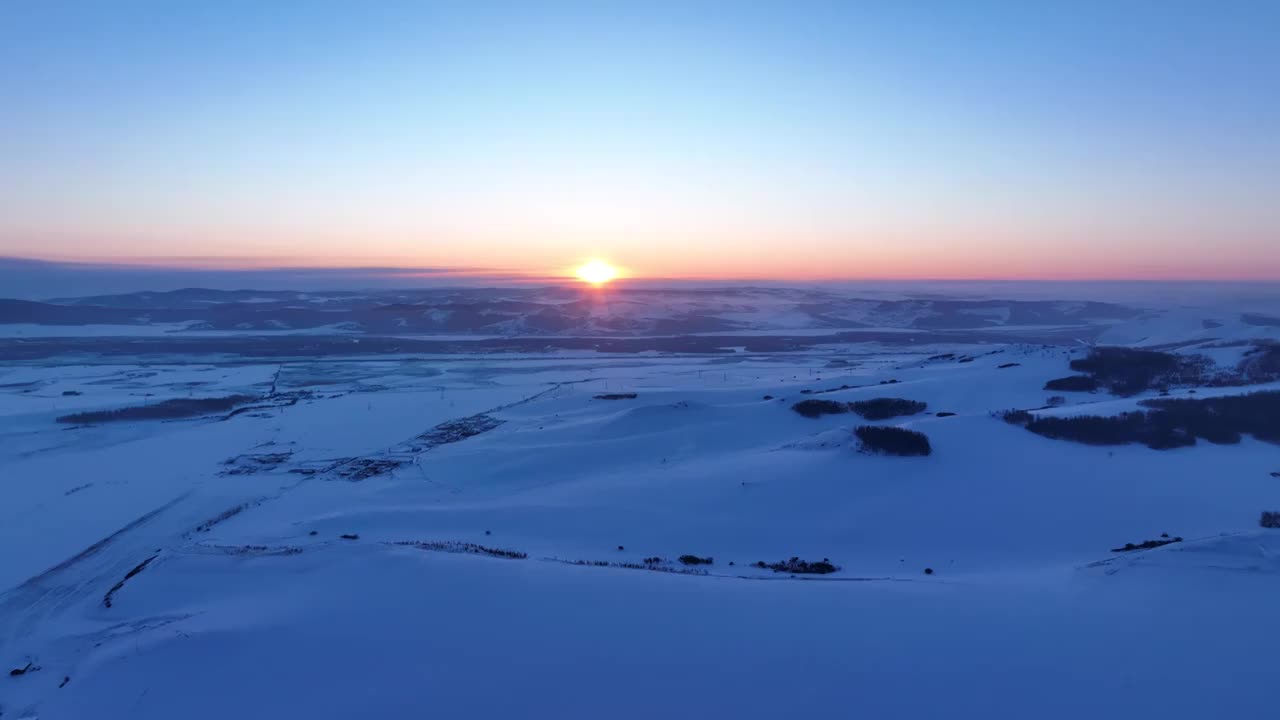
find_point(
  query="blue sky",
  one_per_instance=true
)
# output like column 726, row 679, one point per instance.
column 809, row 139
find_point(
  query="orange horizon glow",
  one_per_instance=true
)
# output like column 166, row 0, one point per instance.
column 857, row 144
column 658, row 245
column 714, row 248
column 874, row 267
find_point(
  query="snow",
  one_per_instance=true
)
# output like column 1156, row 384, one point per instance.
column 461, row 637
column 244, row 612
column 192, row 328
column 21, row 330
column 1186, row 325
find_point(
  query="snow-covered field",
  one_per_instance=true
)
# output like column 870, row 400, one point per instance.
column 331, row 554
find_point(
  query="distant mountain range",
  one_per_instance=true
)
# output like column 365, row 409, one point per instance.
column 559, row 311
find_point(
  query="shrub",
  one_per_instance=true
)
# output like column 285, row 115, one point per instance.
column 695, row 560
column 106, row 599
column 1072, row 383
column 796, row 566
column 818, row 408
column 453, row 546
column 364, row 468
column 1270, row 520
column 892, row 440
column 885, row 407
column 1148, row 544
column 616, row 396
column 1055, row 401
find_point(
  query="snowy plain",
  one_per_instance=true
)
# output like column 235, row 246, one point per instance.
column 316, row 556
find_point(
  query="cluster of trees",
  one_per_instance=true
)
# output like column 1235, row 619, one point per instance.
column 1127, row 371
column 884, row 408
column 1163, row 540
column 453, row 546
column 818, row 408
column 1072, row 383
column 881, row 408
column 1111, row 430
column 1224, row 419
column 796, row 566
column 1262, row 364
column 172, row 409
column 654, row 564
column 1167, row 423
column 893, row 440
column 695, row 560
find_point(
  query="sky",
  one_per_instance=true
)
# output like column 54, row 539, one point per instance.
column 788, row 140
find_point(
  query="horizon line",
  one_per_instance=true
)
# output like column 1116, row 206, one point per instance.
column 232, row 265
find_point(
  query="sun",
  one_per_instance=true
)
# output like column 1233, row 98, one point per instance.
column 597, row 272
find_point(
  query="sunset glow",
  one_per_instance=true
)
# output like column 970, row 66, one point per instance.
column 596, row 272
column 840, row 142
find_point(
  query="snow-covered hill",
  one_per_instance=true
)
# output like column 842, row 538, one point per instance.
column 546, row 311
column 500, row 536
